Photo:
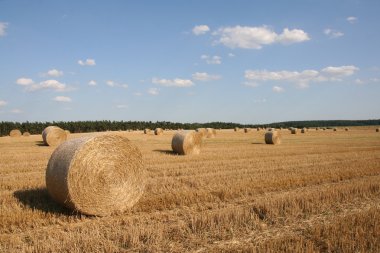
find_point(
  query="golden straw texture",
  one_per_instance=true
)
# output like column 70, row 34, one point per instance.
column 272, row 137
column 15, row 133
column 187, row 143
column 53, row 136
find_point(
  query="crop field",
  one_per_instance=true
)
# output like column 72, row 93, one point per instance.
column 315, row 192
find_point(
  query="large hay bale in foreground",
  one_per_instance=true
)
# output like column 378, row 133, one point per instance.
column 26, row 134
column 158, row 131
column 53, row 136
column 96, row 175
column 15, row 133
column 187, row 143
column 272, row 137
column 211, row 132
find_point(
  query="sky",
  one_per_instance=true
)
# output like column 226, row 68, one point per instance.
column 189, row 61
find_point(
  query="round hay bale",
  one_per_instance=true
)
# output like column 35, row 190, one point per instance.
column 158, row 131
column 317, row 128
column 303, row 130
column 187, row 143
column 335, row 129
column 15, row 133
column 211, row 132
column 236, row 129
column 272, row 137
column 202, row 131
column 258, row 129
column 246, row 130
column 346, row 129
column 26, row 134
column 146, row 131
column 293, row 130
column 67, row 133
column 53, row 136
column 377, row 129
column 96, row 175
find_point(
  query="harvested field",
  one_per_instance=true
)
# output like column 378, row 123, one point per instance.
column 316, row 192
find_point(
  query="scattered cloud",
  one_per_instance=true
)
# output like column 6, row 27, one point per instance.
column 92, row 83
column 277, row 89
column 153, row 91
column 333, row 33
column 301, row 79
column 248, row 37
column 177, row 82
column 62, row 99
column 203, row 76
column 16, row 111
column 121, row 106
column 3, row 103
column 54, row 73
column 200, row 29
column 212, row 59
column 367, row 81
column 352, row 19
column 111, row 83
column 3, row 28
column 48, row 84
column 87, row 62
column 24, row 81
column 231, row 55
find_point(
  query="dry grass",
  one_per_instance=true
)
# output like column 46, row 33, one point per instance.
column 318, row 192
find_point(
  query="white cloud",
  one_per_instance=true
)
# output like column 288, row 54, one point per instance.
column 256, row 37
column 359, row 81
column 54, row 73
column 177, row 82
column 24, row 81
column 203, row 76
column 153, row 91
column 121, row 106
column 212, row 59
column 48, row 84
column 3, row 103
column 62, row 99
column 352, row 19
column 200, row 29
column 87, row 62
column 16, row 111
column 115, row 84
column 333, row 33
column 301, row 79
column 278, row 89
column 231, row 55
column 3, row 28
column 92, row 83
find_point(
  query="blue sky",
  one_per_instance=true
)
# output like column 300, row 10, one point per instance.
column 189, row 61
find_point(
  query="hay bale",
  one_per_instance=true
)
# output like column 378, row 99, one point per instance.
column 236, row 129
column 53, row 136
column 96, row 175
column 211, row 132
column 346, row 129
column 293, row 130
column 202, row 131
column 187, row 143
column 335, row 129
column 303, row 130
column 246, row 130
column 67, row 133
column 158, row 131
column 26, row 134
column 377, row 129
column 272, row 137
column 15, row 133
column 146, row 131
column 258, row 129
column 317, row 128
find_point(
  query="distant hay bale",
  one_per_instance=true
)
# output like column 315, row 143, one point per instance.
column 146, row 131
column 258, row 129
column 211, row 132
column 96, row 175
column 53, row 136
column 246, row 130
column 15, row 133
column 335, row 129
column 272, row 137
column 187, row 143
column 293, row 130
column 317, row 128
column 346, row 129
column 303, row 130
column 202, row 131
column 236, row 129
column 26, row 134
column 158, row 131
column 377, row 129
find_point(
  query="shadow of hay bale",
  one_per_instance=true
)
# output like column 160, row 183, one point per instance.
column 39, row 199
column 165, row 151
column 40, row 143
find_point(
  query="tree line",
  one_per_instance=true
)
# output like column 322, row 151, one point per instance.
column 107, row 125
